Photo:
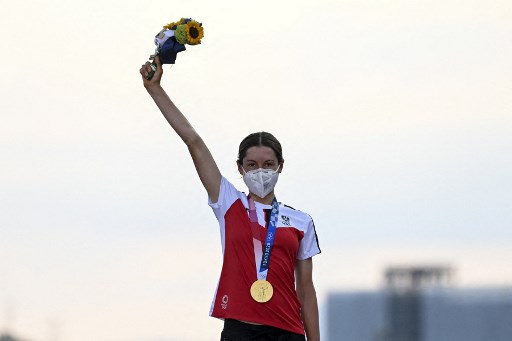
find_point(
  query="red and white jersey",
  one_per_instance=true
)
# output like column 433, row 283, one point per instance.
column 295, row 238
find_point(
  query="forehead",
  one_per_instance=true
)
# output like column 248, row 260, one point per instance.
column 260, row 153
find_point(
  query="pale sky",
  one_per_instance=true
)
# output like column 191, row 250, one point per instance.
column 395, row 119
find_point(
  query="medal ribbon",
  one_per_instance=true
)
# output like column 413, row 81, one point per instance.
column 262, row 254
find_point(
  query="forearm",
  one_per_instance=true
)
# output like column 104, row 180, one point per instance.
column 173, row 115
column 309, row 314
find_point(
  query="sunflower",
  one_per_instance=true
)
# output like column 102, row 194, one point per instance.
column 194, row 32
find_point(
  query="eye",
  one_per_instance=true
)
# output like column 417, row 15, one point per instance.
column 270, row 164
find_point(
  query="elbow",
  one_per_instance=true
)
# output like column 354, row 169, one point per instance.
column 192, row 140
column 306, row 290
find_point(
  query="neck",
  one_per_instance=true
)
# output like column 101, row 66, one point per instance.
column 266, row 200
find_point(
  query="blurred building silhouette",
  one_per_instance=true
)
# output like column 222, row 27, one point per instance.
column 405, row 300
column 418, row 304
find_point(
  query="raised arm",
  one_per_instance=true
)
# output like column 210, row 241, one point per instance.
column 203, row 161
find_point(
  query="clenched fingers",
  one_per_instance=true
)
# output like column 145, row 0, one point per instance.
column 145, row 69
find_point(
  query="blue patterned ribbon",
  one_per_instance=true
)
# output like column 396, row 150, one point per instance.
column 270, row 236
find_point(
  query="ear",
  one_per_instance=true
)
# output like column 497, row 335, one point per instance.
column 240, row 169
column 281, row 165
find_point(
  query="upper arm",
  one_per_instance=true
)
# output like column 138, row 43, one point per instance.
column 304, row 275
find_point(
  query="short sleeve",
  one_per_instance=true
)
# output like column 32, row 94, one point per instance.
column 309, row 246
column 228, row 194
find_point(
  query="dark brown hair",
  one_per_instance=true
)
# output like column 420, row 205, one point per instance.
column 261, row 138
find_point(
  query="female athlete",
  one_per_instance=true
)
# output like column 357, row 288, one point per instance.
column 265, row 291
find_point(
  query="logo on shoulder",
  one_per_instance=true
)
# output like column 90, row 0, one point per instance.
column 285, row 220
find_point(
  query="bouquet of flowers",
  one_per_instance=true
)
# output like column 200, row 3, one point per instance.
column 173, row 37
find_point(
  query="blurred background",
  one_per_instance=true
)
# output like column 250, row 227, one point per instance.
column 396, row 125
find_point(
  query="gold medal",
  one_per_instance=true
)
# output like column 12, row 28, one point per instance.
column 262, row 291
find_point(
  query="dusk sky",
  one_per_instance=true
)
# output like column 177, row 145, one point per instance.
column 395, row 119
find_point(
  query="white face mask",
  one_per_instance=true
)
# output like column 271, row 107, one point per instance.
column 261, row 181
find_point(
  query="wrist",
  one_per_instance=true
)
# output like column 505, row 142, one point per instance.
column 153, row 88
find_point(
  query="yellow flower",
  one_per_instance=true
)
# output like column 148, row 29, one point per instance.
column 170, row 25
column 173, row 25
column 194, row 32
